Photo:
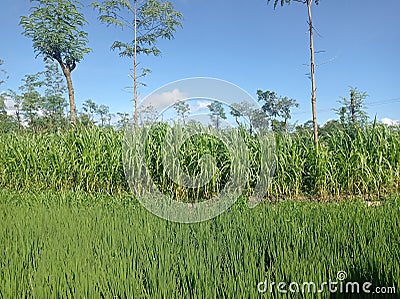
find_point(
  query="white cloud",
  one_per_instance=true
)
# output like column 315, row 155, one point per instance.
column 390, row 122
column 199, row 105
column 164, row 99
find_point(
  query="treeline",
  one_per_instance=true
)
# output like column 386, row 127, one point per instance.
column 39, row 104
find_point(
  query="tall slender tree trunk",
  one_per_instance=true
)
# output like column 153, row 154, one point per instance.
column 71, row 93
column 136, row 116
column 313, row 88
column 352, row 107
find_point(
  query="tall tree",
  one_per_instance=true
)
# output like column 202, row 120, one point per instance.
column 150, row 21
column 312, row 59
column 55, row 27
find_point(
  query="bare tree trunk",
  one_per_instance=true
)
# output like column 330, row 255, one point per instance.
column 286, row 125
column 71, row 93
column 17, row 114
column 71, row 96
column 313, row 88
column 136, row 116
column 352, row 107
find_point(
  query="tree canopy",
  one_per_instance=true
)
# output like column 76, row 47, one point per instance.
column 55, row 27
column 155, row 20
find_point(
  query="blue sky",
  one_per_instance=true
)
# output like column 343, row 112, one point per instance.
column 247, row 43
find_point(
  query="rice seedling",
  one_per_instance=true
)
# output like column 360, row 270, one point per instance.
column 73, row 244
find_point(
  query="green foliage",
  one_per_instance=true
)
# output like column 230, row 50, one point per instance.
column 155, row 20
column 88, row 159
column 256, row 118
column 182, row 109
column 352, row 111
column 148, row 114
column 348, row 162
column 105, row 115
column 277, row 107
column 217, row 113
column 55, row 27
column 32, row 101
column 78, row 245
column 190, row 154
column 54, row 101
column 40, row 103
column 90, row 109
column 123, row 120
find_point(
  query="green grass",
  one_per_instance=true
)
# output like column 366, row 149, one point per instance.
column 73, row 231
column 361, row 162
column 77, row 245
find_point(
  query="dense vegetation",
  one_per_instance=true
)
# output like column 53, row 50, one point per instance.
column 70, row 225
column 352, row 161
column 94, row 246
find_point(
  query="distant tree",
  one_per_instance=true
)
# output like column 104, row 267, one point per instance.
column 2, row 104
column 148, row 114
column 269, row 101
column 330, row 127
column 32, row 101
column 352, row 110
column 256, row 117
column 55, row 27
column 16, row 105
column 103, row 112
column 258, row 120
column 277, row 107
column 89, row 108
column 150, row 21
column 123, row 120
column 236, row 112
column 182, row 109
column 7, row 122
column 285, row 106
column 217, row 113
column 54, row 102
column 312, row 59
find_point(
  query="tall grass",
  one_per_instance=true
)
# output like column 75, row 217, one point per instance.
column 86, row 159
column 90, row 246
column 347, row 162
